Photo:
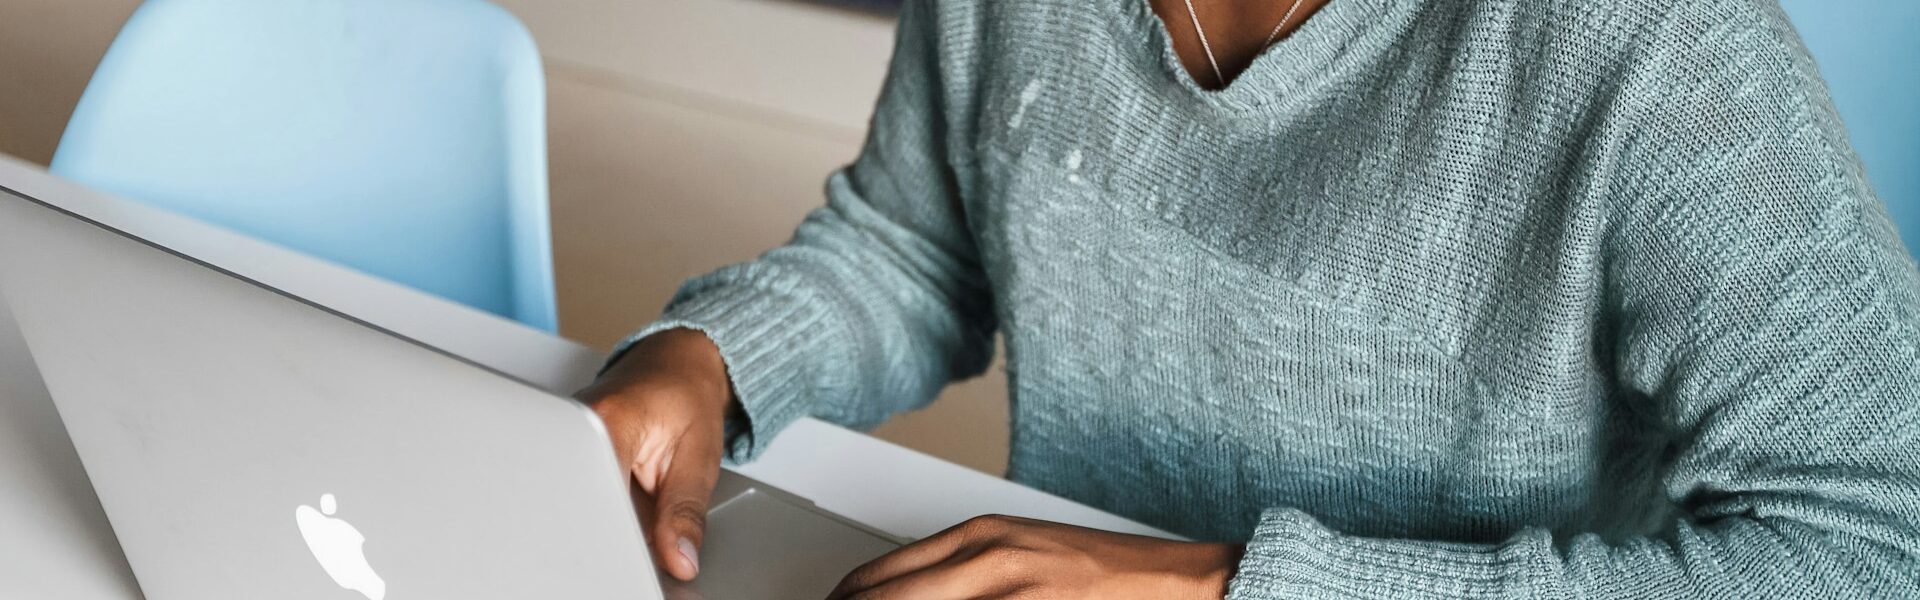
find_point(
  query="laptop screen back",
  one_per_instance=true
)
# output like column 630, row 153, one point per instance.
column 247, row 444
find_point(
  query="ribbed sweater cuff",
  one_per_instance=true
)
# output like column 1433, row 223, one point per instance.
column 1292, row 555
column 763, row 339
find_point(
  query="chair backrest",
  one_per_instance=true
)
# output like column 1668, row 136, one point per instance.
column 404, row 138
column 1868, row 53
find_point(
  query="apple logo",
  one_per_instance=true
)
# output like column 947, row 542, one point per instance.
column 337, row 545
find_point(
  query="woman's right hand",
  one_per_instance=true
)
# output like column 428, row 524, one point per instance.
column 665, row 404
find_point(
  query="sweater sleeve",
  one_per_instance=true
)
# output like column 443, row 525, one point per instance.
column 878, row 301
column 1764, row 313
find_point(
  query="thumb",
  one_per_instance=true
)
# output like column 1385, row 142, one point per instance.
column 680, row 520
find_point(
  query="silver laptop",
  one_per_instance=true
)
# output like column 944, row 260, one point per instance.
column 248, row 444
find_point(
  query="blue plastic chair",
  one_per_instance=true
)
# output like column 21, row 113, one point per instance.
column 403, row 138
column 1867, row 53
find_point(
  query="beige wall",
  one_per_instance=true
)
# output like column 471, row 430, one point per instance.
column 47, row 51
column 683, row 134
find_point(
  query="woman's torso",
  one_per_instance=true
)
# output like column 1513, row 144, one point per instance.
column 1364, row 281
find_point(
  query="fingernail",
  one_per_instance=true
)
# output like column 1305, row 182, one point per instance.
column 692, row 555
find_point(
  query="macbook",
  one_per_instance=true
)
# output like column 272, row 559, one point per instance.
column 246, row 443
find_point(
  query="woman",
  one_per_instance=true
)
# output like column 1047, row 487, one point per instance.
column 1452, row 298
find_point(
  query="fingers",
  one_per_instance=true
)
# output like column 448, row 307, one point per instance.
column 643, row 434
column 649, row 458
column 948, row 545
column 665, row 404
column 621, row 432
column 652, row 393
column 965, row 574
column 680, row 521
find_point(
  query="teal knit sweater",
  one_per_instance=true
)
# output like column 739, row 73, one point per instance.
column 1441, row 298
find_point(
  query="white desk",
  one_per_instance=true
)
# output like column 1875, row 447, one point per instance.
column 55, row 541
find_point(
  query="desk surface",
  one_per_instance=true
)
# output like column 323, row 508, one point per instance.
column 58, row 543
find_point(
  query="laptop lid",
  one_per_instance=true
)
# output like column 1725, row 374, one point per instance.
column 247, row 444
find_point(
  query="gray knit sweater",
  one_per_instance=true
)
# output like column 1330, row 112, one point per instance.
column 1442, row 298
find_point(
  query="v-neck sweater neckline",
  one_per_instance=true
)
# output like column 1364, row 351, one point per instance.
column 1341, row 32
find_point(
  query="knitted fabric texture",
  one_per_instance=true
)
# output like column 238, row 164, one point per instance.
column 1444, row 298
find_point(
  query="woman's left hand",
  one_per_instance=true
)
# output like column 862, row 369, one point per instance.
column 1011, row 557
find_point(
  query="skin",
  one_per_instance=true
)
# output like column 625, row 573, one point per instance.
column 1009, row 557
column 665, row 403
column 1236, row 29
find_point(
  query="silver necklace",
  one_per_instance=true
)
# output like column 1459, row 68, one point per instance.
column 1204, row 45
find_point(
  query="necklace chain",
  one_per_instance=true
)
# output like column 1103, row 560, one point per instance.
column 1208, row 47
